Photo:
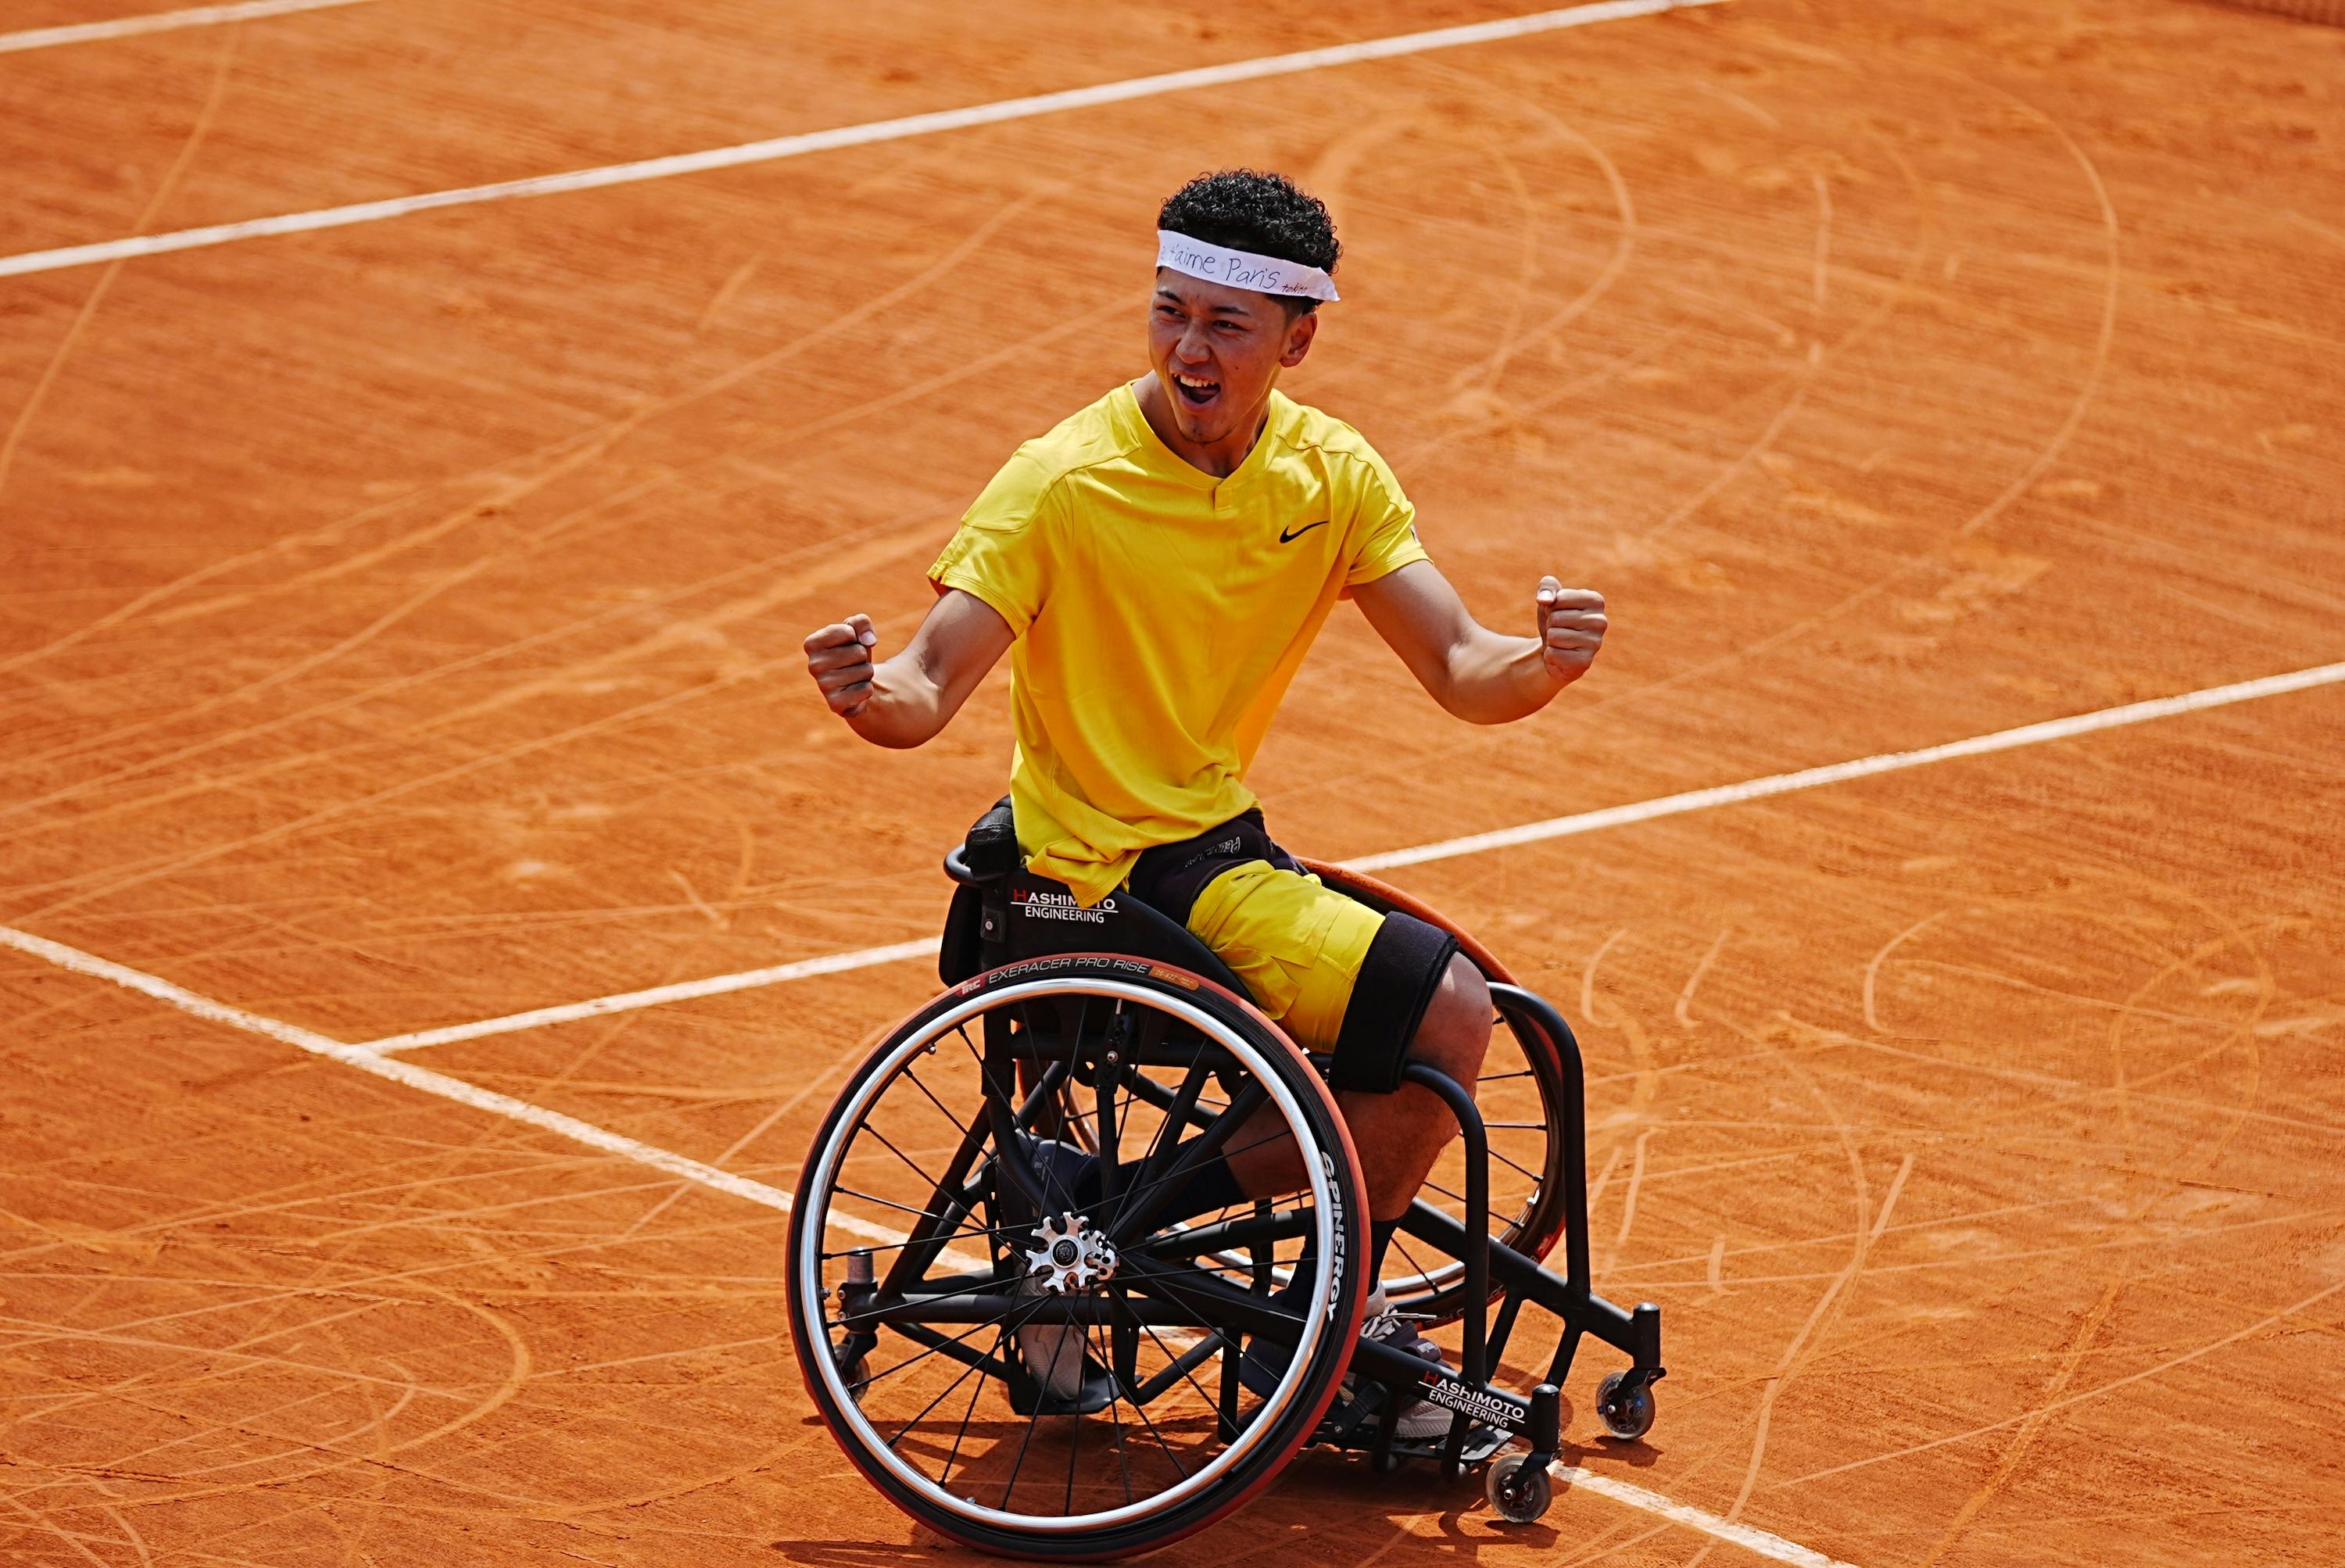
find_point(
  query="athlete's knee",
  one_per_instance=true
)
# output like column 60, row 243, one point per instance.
column 1454, row 1033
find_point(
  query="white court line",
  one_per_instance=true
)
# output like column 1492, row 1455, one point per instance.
column 1450, row 848
column 798, row 146
column 161, row 22
column 682, row 990
column 424, row 1079
column 1861, row 767
column 1749, row 1537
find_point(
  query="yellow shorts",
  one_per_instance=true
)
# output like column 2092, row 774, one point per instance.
column 1295, row 943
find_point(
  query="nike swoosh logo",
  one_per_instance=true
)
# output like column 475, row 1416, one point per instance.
column 1287, row 538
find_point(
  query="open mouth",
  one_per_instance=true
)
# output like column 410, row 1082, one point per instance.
column 1195, row 392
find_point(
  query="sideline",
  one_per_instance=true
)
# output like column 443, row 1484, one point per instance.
column 1862, row 767
column 798, row 146
column 162, row 22
column 423, row 1079
column 1450, row 848
column 1749, row 1537
column 681, row 991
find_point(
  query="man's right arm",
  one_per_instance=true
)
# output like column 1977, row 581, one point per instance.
column 905, row 700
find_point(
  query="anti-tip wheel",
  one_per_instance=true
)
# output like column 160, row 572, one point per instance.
column 1519, row 1490
column 1625, row 1409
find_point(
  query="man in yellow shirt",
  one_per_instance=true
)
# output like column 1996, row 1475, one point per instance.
column 1156, row 567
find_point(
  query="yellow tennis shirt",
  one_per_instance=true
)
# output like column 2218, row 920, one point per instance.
column 1161, row 614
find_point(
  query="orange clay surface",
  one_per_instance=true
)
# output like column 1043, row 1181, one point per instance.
column 398, row 627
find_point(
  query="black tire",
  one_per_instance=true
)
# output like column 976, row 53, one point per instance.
column 1149, row 1482
column 1519, row 1490
column 1626, row 1408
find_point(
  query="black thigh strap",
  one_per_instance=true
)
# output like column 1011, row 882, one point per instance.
column 1405, row 963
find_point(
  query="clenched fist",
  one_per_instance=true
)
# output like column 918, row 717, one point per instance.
column 1572, row 627
column 838, row 656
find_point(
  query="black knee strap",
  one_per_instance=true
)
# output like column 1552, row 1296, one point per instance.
column 1397, row 982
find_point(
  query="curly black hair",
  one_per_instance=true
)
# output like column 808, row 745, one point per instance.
column 1250, row 210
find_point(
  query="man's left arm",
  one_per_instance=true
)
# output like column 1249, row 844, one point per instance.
column 1481, row 676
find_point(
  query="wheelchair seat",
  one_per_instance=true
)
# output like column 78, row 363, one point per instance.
column 1002, row 915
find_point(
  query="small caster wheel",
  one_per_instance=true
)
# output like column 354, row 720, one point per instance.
column 858, row 1374
column 1626, row 1408
column 1519, row 1490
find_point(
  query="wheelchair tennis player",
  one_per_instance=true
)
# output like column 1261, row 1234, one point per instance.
column 1156, row 567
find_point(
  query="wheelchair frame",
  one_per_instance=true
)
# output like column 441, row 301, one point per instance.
column 1483, row 1419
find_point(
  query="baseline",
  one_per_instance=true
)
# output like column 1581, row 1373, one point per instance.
column 2036, row 734
column 162, row 22
column 798, row 146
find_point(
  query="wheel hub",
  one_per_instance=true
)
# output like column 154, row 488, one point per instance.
column 1069, row 1256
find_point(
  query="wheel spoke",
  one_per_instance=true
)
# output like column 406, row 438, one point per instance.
column 1109, row 1133
column 1150, row 1422
column 914, row 1079
column 948, row 1388
column 1000, row 1347
column 909, row 1164
column 1191, row 1170
column 1018, row 1464
column 890, row 1203
column 1513, row 1165
column 1175, row 1114
column 1185, row 1161
column 1422, row 1271
column 939, row 1349
column 1114, row 1408
column 1075, row 1444
column 1167, row 1281
column 876, row 1247
column 1188, row 1375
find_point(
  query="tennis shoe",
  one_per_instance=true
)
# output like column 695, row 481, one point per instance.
column 1053, row 1352
column 1421, row 1421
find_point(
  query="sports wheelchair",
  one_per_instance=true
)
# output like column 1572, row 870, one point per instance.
column 936, row 1242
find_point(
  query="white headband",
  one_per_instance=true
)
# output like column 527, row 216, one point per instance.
column 1241, row 269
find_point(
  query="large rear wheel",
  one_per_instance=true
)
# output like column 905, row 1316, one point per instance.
column 1006, row 1329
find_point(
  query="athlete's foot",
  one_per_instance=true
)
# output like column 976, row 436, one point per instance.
column 1265, row 1362
column 1052, row 1352
column 1421, row 1421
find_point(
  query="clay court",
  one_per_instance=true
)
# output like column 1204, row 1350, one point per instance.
column 399, row 646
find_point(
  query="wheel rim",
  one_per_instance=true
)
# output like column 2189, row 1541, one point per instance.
column 1318, row 1214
